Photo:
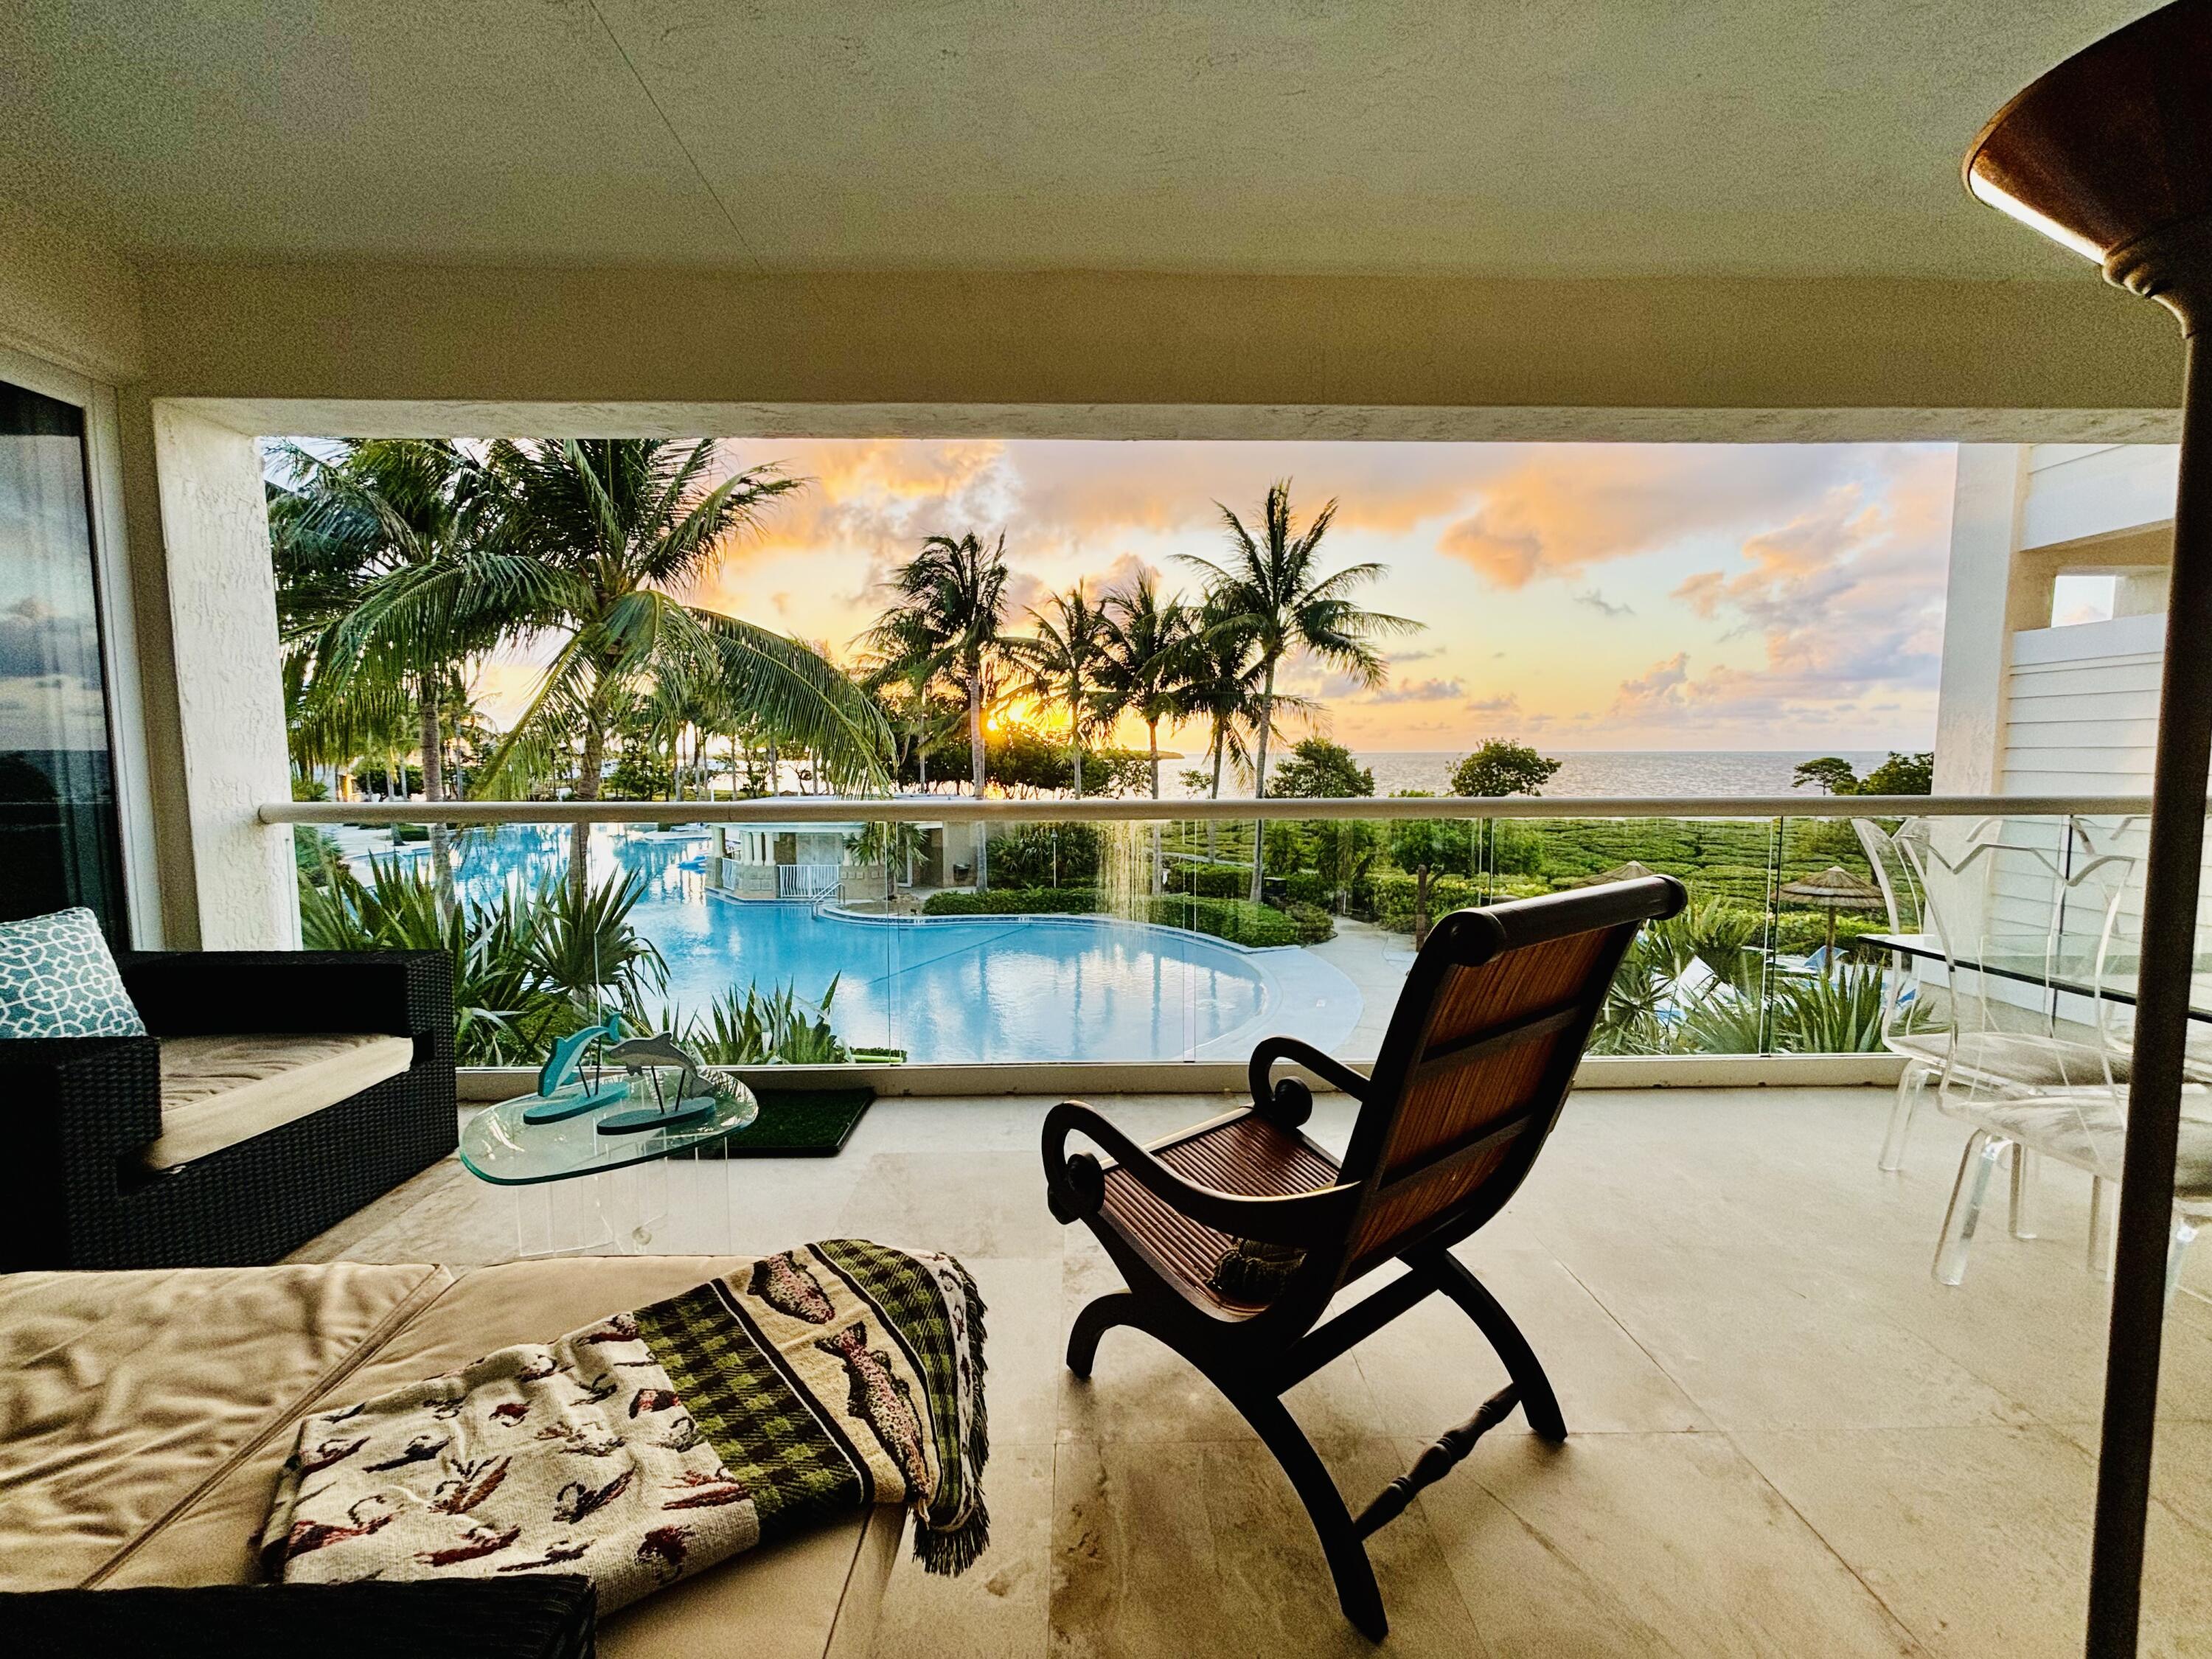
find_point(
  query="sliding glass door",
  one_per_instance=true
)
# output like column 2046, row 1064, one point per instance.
column 59, row 843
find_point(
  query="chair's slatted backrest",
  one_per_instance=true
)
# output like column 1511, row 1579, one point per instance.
column 1485, row 1041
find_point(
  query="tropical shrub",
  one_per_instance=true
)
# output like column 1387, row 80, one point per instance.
column 1314, row 925
column 528, row 966
column 1046, row 856
column 1502, row 767
column 316, row 852
column 1316, row 768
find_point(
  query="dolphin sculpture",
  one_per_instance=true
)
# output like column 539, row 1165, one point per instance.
column 661, row 1050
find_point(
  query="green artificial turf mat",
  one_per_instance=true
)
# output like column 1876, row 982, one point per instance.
column 796, row 1123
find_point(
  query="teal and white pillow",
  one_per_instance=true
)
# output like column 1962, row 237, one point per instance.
column 57, row 979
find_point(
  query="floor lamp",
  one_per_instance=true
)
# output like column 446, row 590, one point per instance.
column 2111, row 154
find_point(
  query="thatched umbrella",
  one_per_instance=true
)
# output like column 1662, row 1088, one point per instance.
column 1835, row 889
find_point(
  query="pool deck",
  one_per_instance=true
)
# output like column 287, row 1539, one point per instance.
column 1375, row 960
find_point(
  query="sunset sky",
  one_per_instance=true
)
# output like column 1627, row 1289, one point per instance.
column 1576, row 596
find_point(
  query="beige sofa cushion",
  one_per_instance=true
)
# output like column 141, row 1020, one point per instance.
column 812, row 1596
column 219, row 1091
column 122, row 1395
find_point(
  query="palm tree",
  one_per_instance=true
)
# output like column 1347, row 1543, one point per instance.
column 616, row 522
column 1150, row 657
column 949, row 619
column 950, row 611
column 386, row 587
column 1063, row 660
column 1272, row 592
column 1221, row 682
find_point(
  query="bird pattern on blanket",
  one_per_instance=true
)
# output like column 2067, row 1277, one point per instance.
column 648, row 1445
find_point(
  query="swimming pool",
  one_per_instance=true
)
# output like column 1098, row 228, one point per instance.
column 948, row 988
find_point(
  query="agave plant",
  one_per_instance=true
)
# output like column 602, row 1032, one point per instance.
column 1722, row 1024
column 1837, row 1013
column 750, row 1028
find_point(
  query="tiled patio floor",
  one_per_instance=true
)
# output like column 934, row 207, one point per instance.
column 1786, row 1438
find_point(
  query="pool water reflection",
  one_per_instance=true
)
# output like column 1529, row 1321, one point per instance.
column 948, row 988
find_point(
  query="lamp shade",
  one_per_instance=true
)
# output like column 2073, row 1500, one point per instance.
column 2113, row 145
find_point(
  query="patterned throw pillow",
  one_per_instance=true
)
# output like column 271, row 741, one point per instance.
column 57, row 979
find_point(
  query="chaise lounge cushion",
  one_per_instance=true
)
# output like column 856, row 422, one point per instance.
column 812, row 1596
column 122, row 1395
column 219, row 1091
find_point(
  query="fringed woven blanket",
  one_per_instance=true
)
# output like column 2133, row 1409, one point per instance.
column 648, row 1445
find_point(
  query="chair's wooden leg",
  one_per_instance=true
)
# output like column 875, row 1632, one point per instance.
column 1538, row 1403
column 1356, row 1590
column 1094, row 1322
column 1437, row 1462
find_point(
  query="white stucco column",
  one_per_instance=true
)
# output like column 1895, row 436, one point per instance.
column 1969, row 709
column 229, row 700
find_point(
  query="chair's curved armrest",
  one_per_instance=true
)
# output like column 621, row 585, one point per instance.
column 1329, row 1070
column 1075, row 1186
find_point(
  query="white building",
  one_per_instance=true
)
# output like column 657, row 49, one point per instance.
column 2054, row 624
column 820, row 860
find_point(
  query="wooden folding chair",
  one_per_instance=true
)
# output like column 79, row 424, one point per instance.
column 1234, row 1236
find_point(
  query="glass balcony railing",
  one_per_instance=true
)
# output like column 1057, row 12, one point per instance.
column 955, row 932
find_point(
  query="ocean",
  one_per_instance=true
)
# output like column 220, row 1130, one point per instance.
column 1598, row 771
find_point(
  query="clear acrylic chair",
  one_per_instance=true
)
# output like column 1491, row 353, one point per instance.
column 2085, row 1128
column 2014, row 906
column 1994, row 889
column 2055, row 917
column 1915, row 1015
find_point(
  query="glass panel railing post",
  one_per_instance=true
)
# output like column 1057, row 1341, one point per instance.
column 1770, row 933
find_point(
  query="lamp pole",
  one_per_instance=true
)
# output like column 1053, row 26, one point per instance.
column 2109, row 154
column 2168, row 956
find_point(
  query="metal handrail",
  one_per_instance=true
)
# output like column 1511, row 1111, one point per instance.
column 966, row 809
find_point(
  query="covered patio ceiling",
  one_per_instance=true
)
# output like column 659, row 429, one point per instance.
column 1404, row 136
column 1410, row 219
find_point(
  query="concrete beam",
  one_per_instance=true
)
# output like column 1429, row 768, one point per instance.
column 472, row 349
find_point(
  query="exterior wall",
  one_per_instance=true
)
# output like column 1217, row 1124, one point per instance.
column 2082, row 707
column 2084, row 493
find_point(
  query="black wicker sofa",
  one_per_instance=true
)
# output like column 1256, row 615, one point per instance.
column 76, row 1191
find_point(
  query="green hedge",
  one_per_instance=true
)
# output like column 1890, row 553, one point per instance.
column 1225, row 881
column 1014, row 901
column 1238, row 920
column 1393, row 898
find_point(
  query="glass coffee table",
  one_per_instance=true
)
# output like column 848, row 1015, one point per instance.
column 578, row 1189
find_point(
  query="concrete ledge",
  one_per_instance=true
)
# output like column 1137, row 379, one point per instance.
column 479, row 1085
